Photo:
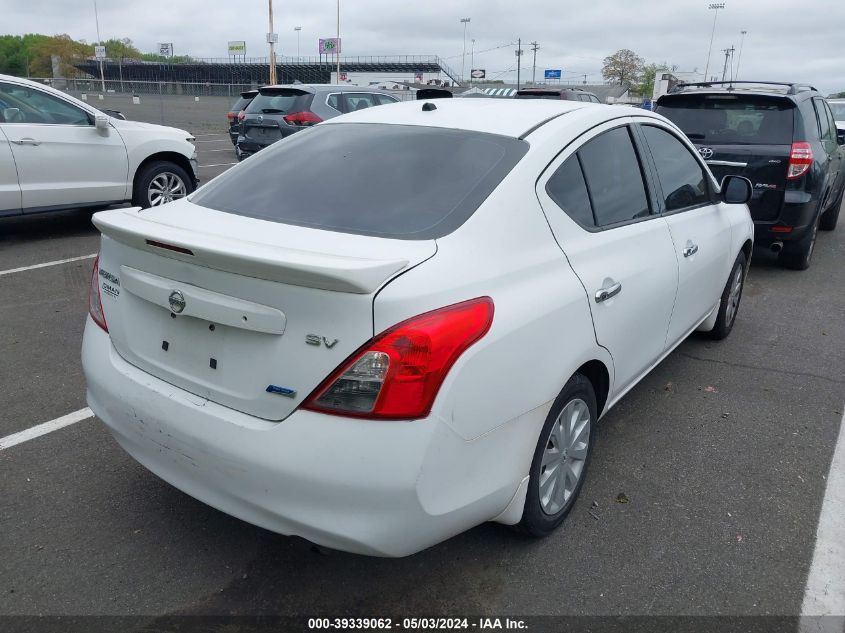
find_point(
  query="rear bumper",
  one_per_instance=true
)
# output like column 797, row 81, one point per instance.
column 377, row 488
column 799, row 211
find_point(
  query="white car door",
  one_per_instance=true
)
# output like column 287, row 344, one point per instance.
column 61, row 158
column 595, row 198
column 10, row 191
column 701, row 230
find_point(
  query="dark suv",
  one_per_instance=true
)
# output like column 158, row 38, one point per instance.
column 279, row 111
column 780, row 136
column 567, row 94
column 238, row 107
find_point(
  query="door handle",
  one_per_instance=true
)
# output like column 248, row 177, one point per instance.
column 690, row 249
column 608, row 291
column 27, row 141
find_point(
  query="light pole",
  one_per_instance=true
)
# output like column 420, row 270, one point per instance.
column 297, row 29
column 464, row 21
column 714, row 6
column 99, row 43
column 471, row 60
column 739, row 59
column 271, row 42
column 338, row 41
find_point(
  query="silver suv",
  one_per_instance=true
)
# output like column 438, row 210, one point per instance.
column 279, row 111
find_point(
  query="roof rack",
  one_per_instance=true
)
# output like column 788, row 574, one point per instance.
column 793, row 88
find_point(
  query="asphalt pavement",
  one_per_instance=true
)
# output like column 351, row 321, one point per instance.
column 720, row 455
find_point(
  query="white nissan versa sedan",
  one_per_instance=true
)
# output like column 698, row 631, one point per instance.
column 377, row 373
column 57, row 152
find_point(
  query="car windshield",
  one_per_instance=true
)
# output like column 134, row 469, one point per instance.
column 538, row 95
column 730, row 119
column 838, row 110
column 397, row 181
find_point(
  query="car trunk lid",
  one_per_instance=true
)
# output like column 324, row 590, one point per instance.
column 249, row 314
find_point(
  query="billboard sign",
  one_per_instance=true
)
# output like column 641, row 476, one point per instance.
column 554, row 73
column 329, row 46
column 478, row 73
column 165, row 49
column 237, row 48
column 100, row 52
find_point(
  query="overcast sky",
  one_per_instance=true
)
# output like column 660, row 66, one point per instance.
column 799, row 40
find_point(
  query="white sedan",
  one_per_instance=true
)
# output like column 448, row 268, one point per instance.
column 57, row 152
column 406, row 321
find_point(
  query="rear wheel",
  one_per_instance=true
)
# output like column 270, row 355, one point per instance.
column 729, row 302
column 160, row 182
column 831, row 216
column 797, row 255
column 560, row 458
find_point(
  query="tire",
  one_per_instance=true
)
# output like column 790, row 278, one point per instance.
column 168, row 178
column 729, row 302
column 544, row 511
column 797, row 255
column 831, row 216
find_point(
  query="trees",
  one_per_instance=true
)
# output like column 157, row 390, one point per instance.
column 623, row 67
column 645, row 88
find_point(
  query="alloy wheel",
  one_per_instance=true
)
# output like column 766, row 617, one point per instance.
column 565, row 456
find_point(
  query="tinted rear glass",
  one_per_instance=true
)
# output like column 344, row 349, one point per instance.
column 392, row 181
column 730, row 119
column 240, row 104
column 279, row 102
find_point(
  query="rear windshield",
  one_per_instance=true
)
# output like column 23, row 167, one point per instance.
column 395, row 181
column 279, row 102
column 838, row 110
column 548, row 94
column 241, row 103
column 730, row 119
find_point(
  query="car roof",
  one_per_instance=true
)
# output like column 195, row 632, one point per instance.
column 507, row 117
column 786, row 89
column 314, row 88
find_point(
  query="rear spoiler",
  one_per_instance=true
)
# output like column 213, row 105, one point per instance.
column 263, row 261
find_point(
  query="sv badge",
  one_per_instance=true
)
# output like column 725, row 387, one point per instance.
column 315, row 339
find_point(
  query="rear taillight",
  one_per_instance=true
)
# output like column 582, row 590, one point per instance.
column 241, row 115
column 800, row 160
column 95, row 304
column 302, row 118
column 397, row 375
column 231, row 116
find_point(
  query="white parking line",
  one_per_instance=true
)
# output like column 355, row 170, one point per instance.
column 825, row 590
column 218, row 165
column 43, row 429
column 45, row 264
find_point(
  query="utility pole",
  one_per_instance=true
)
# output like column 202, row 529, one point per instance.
column 739, row 59
column 728, row 52
column 99, row 43
column 270, row 38
column 298, row 30
column 518, row 61
column 585, row 80
column 338, row 41
column 714, row 6
column 471, row 61
column 534, row 47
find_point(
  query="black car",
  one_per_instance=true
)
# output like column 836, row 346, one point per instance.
column 782, row 137
column 567, row 94
column 279, row 111
column 238, row 107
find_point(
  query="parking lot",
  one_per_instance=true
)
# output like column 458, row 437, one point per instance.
column 704, row 497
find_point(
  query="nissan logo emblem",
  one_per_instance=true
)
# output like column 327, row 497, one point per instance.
column 705, row 152
column 176, row 301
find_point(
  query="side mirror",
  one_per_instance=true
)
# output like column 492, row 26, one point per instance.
column 736, row 190
column 101, row 122
column 12, row 115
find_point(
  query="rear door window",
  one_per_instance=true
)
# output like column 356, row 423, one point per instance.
column 681, row 177
column 397, row 181
column 724, row 119
column 614, row 178
column 385, row 99
column 359, row 101
column 568, row 189
column 825, row 131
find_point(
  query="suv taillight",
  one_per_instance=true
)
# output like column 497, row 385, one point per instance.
column 302, row 118
column 241, row 115
column 397, row 375
column 800, row 160
column 95, row 304
column 231, row 116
